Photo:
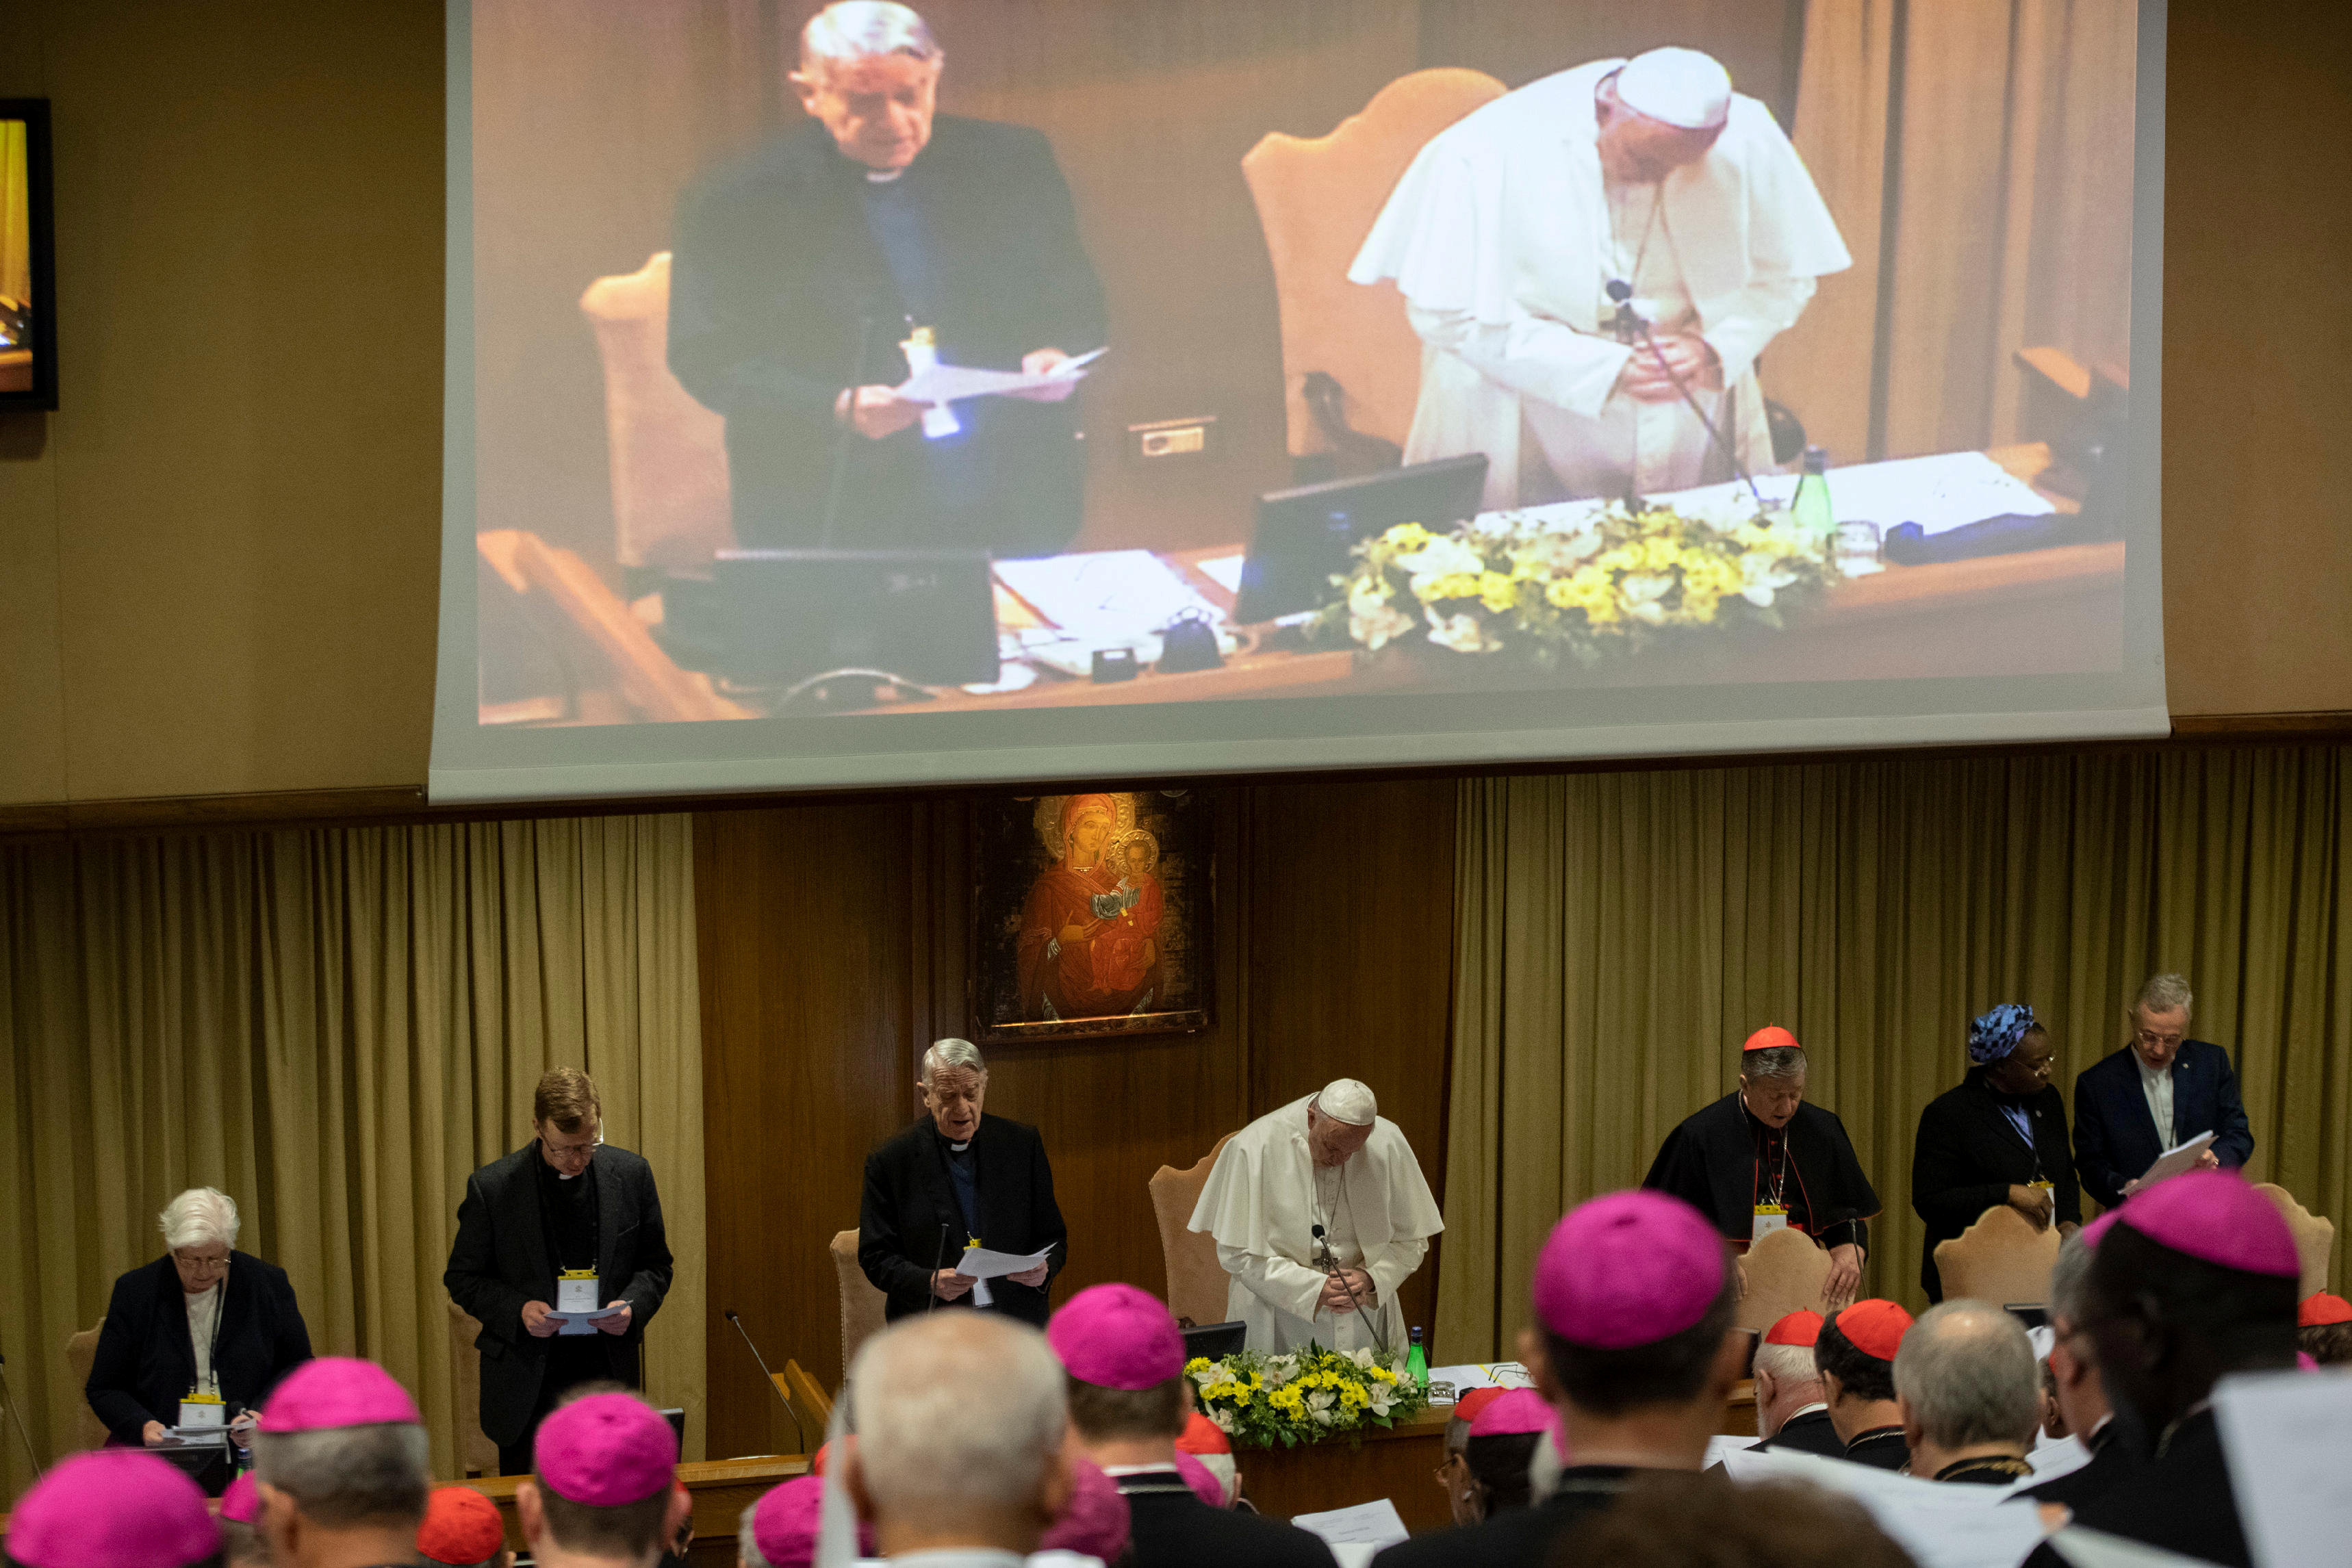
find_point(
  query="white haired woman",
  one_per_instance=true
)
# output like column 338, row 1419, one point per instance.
column 203, row 1319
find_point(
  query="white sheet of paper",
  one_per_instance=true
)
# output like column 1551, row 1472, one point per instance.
column 2053, row 1457
column 1942, row 1526
column 1374, row 1524
column 2288, row 1439
column 980, row 1263
column 1483, row 1375
column 1104, row 597
column 952, row 384
column 2097, row 1549
column 2173, row 1161
column 1717, row 1447
column 1945, row 491
column 1224, row 570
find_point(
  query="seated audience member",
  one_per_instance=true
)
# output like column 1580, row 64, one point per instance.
column 462, row 1530
column 1502, row 1449
column 603, row 1486
column 1453, row 1475
column 961, row 1424
column 1205, row 1481
column 339, row 1454
column 2081, row 1398
column 1205, row 1443
column 1999, row 1138
column 1770, row 1524
column 240, row 1514
column 2322, row 1327
column 2194, row 1280
column 1969, row 1394
column 1094, row 1521
column 780, row 1530
column 1123, row 1357
column 112, row 1508
column 1633, row 1349
column 1791, row 1412
column 1855, row 1353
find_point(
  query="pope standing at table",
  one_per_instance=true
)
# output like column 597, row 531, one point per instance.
column 1509, row 231
column 1320, row 1213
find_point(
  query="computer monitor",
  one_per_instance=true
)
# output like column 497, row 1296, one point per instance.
column 926, row 616
column 1302, row 536
column 1215, row 1341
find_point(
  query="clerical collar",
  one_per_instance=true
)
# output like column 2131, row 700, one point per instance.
column 882, row 176
column 1994, row 1468
column 959, row 1148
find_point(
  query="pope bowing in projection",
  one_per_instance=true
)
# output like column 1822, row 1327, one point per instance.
column 1514, row 231
column 1319, row 1214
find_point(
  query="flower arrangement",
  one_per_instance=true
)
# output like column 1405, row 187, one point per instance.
column 1260, row 1400
column 1578, row 583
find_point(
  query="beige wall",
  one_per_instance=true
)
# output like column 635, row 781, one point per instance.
column 217, row 560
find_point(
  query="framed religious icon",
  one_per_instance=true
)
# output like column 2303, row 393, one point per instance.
column 1092, row 915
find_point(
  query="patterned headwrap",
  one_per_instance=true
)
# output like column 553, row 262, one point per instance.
column 1996, row 1034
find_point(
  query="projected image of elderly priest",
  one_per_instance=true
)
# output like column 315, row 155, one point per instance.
column 1508, row 231
column 799, row 272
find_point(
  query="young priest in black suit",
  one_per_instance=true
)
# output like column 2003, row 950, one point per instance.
column 959, row 1178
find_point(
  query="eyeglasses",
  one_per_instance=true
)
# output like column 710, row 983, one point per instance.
column 2149, row 1037
column 573, row 1151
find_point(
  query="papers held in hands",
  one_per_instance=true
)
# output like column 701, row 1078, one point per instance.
column 575, row 1305
column 2287, row 1437
column 953, row 383
column 2173, row 1161
column 1371, row 1525
column 980, row 1266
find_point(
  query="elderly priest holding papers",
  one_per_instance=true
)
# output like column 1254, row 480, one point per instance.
column 1761, row 1159
column 1320, row 1212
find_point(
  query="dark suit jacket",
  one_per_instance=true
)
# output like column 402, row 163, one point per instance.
column 145, row 1363
column 2114, row 1136
column 909, row 1201
column 775, row 267
column 2182, row 1502
column 1170, row 1527
column 1522, row 1537
column 2110, row 1462
column 1811, row 1433
column 1968, row 1154
column 499, row 1261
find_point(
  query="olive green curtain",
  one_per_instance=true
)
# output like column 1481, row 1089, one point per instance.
column 1619, row 934
column 335, row 1026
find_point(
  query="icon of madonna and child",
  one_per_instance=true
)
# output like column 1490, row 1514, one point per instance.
column 1106, row 932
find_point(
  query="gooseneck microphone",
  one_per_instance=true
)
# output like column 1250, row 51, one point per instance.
column 1631, row 327
column 778, row 1387
column 1331, row 1266
column 848, row 433
column 931, row 1285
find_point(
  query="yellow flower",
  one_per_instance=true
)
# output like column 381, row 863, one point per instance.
column 1497, row 592
column 1198, row 1363
column 1406, row 536
column 1451, row 585
column 1562, row 594
column 1660, row 552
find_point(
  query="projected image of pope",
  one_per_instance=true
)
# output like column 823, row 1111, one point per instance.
column 1508, row 231
column 1327, row 1162
column 798, row 273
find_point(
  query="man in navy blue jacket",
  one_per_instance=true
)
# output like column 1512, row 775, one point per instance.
column 2159, row 1091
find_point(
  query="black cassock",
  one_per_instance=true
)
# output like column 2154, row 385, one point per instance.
column 1723, row 1162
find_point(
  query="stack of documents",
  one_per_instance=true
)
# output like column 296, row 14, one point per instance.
column 980, row 1266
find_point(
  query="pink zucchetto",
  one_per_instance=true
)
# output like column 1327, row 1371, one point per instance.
column 607, row 1450
column 788, row 1519
column 241, row 1504
column 1095, row 1522
column 1116, row 1336
column 1206, row 1484
column 116, row 1508
column 2218, row 1218
column 1519, row 1410
column 2097, row 1227
column 1628, row 1269
column 335, row 1391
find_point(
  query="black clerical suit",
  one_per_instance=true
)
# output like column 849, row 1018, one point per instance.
column 518, row 1228
column 1723, row 1162
column 1170, row 1527
column 146, row 1364
column 925, row 1200
column 1523, row 1537
column 2180, row 1500
column 1969, row 1154
column 1883, row 1447
column 1808, row 1432
column 2110, row 1461
column 783, row 261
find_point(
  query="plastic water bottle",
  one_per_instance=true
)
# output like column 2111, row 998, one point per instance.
column 1811, row 509
column 1416, row 1360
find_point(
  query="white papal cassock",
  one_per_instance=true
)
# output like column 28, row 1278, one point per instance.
column 1264, row 1197
column 1503, row 236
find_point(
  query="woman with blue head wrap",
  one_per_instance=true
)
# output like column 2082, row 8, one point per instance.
column 1999, row 1139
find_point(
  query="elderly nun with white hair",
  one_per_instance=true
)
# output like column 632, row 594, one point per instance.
column 203, row 1321
column 1320, row 1213
column 958, row 1179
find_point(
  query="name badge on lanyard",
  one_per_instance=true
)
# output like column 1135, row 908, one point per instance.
column 1769, row 1216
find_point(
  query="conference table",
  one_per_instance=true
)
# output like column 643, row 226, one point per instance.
column 2025, row 613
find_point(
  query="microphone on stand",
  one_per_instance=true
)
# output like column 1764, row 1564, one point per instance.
column 1331, row 1266
column 799, row 1431
column 1631, row 328
column 932, row 1285
column 843, row 438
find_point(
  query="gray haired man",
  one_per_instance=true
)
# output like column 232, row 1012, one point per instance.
column 2158, row 1092
column 340, row 1456
column 959, row 1178
column 1969, row 1394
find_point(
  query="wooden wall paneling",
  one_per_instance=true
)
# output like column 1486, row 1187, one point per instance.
column 804, row 922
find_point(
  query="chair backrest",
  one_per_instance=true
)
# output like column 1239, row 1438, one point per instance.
column 1785, row 1272
column 476, row 1454
column 2000, row 1259
column 861, row 1303
column 1196, row 1281
column 1316, row 198
column 2315, row 1237
column 81, row 1352
column 671, row 501
column 809, row 1394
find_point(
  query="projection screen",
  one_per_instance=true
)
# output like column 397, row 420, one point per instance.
column 1001, row 390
